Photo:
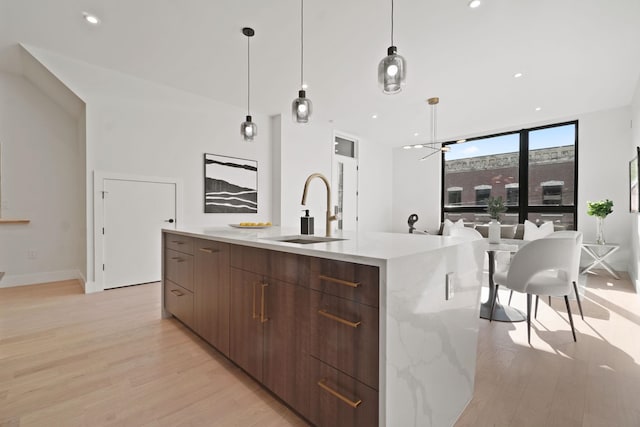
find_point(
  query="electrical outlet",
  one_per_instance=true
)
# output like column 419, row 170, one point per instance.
column 31, row 254
column 449, row 286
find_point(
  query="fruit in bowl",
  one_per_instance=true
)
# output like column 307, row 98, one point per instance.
column 255, row 224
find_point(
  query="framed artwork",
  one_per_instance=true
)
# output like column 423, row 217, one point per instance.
column 634, row 196
column 230, row 185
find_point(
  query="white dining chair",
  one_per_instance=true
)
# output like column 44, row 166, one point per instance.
column 575, row 266
column 541, row 267
column 466, row 232
column 575, row 269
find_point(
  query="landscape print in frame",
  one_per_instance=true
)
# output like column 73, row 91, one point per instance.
column 230, row 185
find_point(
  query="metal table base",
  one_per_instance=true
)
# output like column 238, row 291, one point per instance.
column 501, row 313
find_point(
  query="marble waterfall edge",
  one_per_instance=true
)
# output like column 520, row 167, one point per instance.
column 430, row 343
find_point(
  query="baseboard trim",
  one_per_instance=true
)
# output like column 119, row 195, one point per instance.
column 12, row 280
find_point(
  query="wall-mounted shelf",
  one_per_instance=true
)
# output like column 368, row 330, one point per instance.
column 14, row 221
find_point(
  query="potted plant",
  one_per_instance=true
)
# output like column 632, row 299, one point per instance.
column 495, row 207
column 600, row 209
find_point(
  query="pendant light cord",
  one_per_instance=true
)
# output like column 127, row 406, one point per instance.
column 434, row 124
column 391, row 22
column 301, row 43
column 248, row 75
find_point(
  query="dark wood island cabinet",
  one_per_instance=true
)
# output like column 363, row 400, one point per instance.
column 306, row 328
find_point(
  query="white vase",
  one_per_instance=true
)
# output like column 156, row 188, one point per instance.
column 494, row 231
column 600, row 230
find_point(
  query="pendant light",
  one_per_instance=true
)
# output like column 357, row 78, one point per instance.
column 301, row 106
column 248, row 129
column 392, row 69
column 434, row 145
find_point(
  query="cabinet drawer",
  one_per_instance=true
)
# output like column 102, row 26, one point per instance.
column 344, row 334
column 179, row 302
column 356, row 282
column 338, row 400
column 179, row 243
column 178, row 267
column 287, row 267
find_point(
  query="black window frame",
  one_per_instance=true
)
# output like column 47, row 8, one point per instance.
column 523, row 209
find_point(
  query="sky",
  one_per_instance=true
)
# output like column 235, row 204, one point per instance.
column 542, row 138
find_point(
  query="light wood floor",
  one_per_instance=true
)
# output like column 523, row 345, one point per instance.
column 107, row 359
column 556, row 382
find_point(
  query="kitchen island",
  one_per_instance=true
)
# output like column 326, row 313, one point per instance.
column 377, row 328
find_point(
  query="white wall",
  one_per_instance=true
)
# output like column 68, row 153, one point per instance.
column 603, row 158
column 303, row 149
column 416, row 189
column 603, row 173
column 43, row 181
column 375, row 187
column 134, row 127
column 634, row 258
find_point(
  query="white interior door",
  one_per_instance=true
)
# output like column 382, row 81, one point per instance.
column 134, row 214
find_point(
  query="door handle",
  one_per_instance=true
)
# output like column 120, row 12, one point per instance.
column 170, row 220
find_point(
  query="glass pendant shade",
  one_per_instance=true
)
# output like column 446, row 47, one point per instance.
column 301, row 108
column 248, row 129
column 392, row 72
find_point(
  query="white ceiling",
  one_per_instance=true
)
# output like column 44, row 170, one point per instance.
column 576, row 55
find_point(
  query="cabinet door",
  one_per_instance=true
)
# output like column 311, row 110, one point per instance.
column 286, row 343
column 246, row 340
column 212, row 292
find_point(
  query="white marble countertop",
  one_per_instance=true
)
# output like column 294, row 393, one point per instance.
column 364, row 247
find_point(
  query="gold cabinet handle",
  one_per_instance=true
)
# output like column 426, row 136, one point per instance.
column 209, row 250
column 177, row 259
column 328, row 315
column 339, row 281
column 176, row 292
column 323, row 385
column 263, row 318
column 255, row 315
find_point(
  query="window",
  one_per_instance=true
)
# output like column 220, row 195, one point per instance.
column 483, row 192
column 513, row 194
column 533, row 170
column 344, row 147
column 454, row 196
column 552, row 192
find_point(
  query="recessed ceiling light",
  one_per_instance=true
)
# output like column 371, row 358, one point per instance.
column 418, row 146
column 407, row 147
column 474, row 3
column 375, row 116
column 91, row 18
column 538, row 108
column 460, row 141
column 416, row 134
column 517, row 75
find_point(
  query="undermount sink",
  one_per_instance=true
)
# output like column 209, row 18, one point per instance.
column 305, row 239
